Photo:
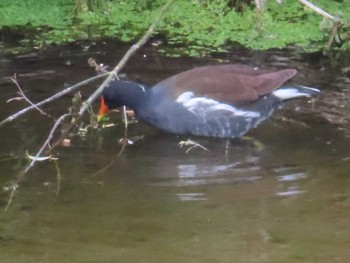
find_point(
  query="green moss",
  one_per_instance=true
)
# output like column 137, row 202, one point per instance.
column 195, row 27
column 36, row 13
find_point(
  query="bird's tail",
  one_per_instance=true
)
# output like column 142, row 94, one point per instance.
column 291, row 91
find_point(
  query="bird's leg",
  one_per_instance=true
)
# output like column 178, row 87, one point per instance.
column 227, row 147
column 125, row 116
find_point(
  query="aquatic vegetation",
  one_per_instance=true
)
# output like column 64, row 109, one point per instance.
column 194, row 27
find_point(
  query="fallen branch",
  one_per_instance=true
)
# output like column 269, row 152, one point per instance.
column 114, row 73
column 52, row 98
column 110, row 77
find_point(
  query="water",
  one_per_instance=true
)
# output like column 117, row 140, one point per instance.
column 284, row 201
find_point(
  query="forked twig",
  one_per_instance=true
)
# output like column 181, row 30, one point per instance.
column 23, row 95
column 52, row 98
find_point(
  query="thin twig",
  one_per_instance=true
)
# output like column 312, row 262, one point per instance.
column 46, row 143
column 14, row 80
column 14, row 188
column 52, row 98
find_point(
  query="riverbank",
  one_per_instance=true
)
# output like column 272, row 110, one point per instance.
column 194, row 28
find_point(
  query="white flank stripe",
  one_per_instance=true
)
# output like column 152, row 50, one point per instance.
column 186, row 96
column 223, row 107
column 234, row 110
column 202, row 105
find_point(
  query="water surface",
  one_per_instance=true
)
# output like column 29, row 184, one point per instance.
column 287, row 201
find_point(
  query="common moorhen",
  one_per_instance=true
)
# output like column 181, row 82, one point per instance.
column 222, row 101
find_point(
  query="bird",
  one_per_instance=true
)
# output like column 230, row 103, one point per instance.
column 222, row 101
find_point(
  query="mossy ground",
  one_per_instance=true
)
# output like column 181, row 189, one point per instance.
column 193, row 27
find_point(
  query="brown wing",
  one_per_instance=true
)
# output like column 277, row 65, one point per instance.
column 234, row 84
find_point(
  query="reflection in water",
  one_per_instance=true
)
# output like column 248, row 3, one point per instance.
column 212, row 171
column 192, row 196
column 291, row 177
column 197, row 175
column 220, row 174
column 216, row 172
column 292, row 190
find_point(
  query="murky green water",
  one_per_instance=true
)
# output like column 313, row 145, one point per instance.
column 288, row 201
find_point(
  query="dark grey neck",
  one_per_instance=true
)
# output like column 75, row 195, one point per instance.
column 125, row 93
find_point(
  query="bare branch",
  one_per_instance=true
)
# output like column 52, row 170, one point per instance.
column 14, row 80
column 52, row 98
